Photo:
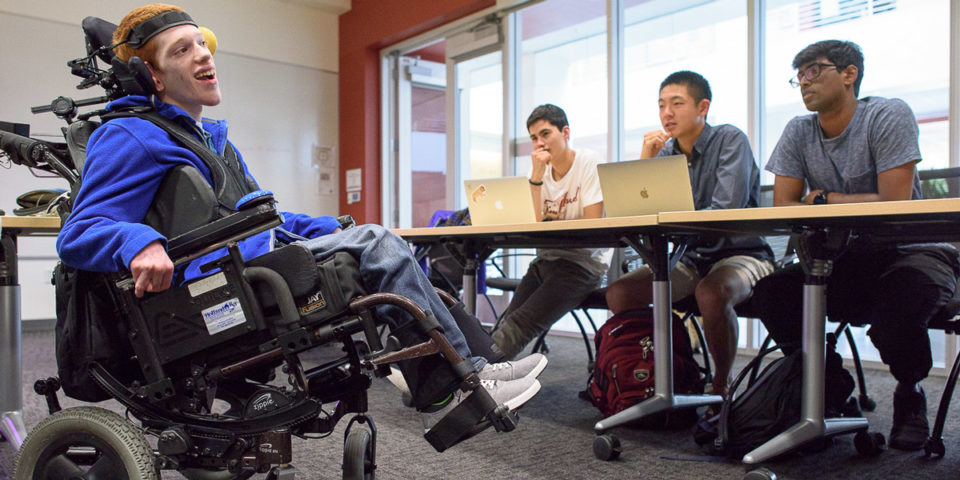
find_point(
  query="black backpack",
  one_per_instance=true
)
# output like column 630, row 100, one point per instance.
column 90, row 327
column 770, row 404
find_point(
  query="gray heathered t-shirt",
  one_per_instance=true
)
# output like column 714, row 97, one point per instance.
column 882, row 135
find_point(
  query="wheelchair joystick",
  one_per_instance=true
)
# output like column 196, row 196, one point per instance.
column 346, row 221
column 48, row 388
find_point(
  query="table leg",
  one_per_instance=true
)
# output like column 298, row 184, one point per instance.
column 812, row 425
column 474, row 253
column 11, row 401
column 663, row 397
column 470, row 285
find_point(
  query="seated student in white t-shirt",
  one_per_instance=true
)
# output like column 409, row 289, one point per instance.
column 564, row 185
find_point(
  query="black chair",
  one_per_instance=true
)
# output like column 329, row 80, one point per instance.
column 948, row 320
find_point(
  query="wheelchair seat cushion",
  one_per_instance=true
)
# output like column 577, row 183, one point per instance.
column 295, row 263
column 322, row 289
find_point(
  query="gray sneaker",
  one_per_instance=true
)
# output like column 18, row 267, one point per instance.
column 530, row 366
column 511, row 394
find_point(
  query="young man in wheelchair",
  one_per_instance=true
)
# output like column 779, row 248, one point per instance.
column 128, row 158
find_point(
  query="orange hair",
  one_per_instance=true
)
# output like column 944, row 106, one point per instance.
column 137, row 16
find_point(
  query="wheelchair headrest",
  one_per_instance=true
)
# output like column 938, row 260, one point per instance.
column 133, row 77
column 125, row 78
column 99, row 34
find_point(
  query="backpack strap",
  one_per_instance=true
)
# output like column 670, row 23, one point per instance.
column 723, row 424
column 229, row 179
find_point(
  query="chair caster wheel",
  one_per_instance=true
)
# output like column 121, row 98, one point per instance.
column 867, row 404
column 869, row 443
column 934, row 446
column 358, row 455
column 760, row 474
column 606, row 447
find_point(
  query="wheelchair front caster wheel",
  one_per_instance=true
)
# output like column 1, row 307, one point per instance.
column 869, row 443
column 358, row 455
column 934, row 446
column 86, row 442
column 760, row 474
column 606, row 447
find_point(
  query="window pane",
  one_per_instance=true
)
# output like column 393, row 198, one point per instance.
column 428, row 149
column 480, row 86
column 906, row 55
column 664, row 36
column 564, row 62
column 480, row 98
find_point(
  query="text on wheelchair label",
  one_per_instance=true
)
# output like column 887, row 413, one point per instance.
column 223, row 316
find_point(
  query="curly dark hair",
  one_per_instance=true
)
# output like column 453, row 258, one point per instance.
column 841, row 53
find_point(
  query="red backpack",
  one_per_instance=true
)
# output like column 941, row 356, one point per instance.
column 623, row 373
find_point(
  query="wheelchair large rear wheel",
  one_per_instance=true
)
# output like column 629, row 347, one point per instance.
column 88, row 443
column 358, row 461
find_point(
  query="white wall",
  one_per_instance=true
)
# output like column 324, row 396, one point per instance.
column 277, row 64
column 302, row 33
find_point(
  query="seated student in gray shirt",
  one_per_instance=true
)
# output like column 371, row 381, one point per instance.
column 860, row 150
column 719, row 272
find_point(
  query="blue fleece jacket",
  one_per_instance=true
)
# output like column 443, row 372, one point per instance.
column 127, row 158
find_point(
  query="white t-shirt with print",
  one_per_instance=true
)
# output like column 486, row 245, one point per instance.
column 564, row 199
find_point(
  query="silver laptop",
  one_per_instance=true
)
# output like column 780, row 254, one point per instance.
column 496, row 201
column 646, row 187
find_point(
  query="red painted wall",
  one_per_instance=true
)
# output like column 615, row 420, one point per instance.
column 369, row 26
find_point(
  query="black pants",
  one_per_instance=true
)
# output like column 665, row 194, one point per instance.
column 896, row 290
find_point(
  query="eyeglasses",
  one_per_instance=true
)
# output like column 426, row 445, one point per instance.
column 810, row 73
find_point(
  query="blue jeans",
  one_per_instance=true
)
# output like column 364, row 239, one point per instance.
column 387, row 265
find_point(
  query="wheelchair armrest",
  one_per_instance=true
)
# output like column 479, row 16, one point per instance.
column 219, row 233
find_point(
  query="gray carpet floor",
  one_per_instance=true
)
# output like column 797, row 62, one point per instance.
column 554, row 439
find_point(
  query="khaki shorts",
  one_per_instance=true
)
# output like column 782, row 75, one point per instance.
column 684, row 278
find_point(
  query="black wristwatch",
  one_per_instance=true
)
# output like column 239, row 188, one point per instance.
column 821, row 198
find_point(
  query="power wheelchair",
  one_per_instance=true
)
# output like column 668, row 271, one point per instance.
column 223, row 336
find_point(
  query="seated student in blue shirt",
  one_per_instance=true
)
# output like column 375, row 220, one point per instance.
column 721, row 272
column 127, row 158
column 851, row 150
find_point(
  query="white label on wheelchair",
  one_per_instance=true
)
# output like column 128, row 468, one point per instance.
column 206, row 284
column 223, row 316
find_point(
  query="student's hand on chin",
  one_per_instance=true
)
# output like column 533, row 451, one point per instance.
column 653, row 141
column 541, row 155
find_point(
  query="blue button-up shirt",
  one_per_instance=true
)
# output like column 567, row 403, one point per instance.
column 723, row 174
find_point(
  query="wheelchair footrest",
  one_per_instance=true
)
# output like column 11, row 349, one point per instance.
column 474, row 414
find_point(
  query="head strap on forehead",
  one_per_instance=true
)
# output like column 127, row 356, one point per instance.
column 144, row 31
